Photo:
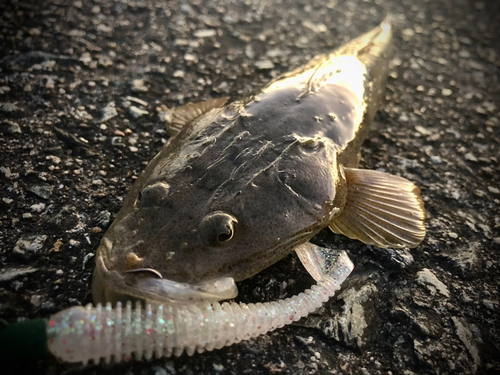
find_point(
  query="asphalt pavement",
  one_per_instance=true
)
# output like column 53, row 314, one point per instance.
column 85, row 87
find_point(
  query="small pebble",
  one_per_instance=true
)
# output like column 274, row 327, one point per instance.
column 218, row 367
column 138, row 85
column 6, row 171
column 189, row 57
column 136, row 112
column 446, row 92
column 493, row 121
column 436, row 159
column 179, row 74
column 493, row 190
column 8, row 274
column 29, row 243
column 105, row 62
column 36, row 300
column 480, row 110
column 204, row 33
column 108, row 112
column 137, row 101
column 43, row 191
column 264, row 64
column 39, row 207
column 408, row 32
column 9, row 107
column 470, row 156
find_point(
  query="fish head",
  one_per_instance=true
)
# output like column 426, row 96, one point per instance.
column 209, row 211
column 156, row 248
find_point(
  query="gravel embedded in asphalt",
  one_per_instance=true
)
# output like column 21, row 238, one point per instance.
column 84, row 89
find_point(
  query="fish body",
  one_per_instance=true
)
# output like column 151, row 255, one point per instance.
column 242, row 185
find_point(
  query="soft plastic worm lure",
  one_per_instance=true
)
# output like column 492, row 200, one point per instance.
column 82, row 334
column 92, row 333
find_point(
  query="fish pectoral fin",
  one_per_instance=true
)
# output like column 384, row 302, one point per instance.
column 321, row 262
column 381, row 210
column 187, row 113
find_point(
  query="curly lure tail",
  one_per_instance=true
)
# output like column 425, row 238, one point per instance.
column 82, row 334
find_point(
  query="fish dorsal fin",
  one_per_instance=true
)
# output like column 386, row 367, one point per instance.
column 381, row 210
column 187, row 113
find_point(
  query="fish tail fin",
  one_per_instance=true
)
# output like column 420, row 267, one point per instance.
column 378, row 50
column 374, row 48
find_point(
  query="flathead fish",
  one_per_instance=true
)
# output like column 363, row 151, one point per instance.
column 241, row 185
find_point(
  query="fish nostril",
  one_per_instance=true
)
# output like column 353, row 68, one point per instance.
column 135, row 264
column 133, row 261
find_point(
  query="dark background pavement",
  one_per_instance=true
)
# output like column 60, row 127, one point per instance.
column 84, row 87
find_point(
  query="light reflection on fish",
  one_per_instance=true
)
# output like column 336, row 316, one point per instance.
column 241, row 185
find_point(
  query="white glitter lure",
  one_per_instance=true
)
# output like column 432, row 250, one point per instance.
column 82, row 334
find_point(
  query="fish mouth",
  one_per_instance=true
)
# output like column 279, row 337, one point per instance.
column 149, row 285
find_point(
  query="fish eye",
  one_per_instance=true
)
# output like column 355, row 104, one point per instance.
column 153, row 194
column 217, row 228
